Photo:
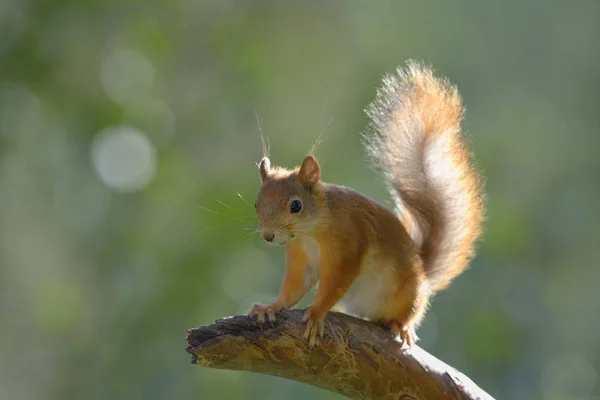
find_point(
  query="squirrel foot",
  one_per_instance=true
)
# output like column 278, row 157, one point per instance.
column 260, row 310
column 406, row 333
column 314, row 326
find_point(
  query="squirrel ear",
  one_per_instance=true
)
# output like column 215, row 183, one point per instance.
column 264, row 167
column 310, row 172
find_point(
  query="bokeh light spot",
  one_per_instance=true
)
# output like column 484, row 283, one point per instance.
column 127, row 76
column 124, row 158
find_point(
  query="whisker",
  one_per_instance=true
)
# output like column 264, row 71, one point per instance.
column 211, row 211
column 316, row 144
column 240, row 196
column 218, row 228
column 236, row 226
column 220, row 202
column 241, row 218
column 228, row 217
column 247, row 229
column 266, row 147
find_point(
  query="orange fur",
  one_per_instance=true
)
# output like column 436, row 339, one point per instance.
column 417, row 142
column 371, row 262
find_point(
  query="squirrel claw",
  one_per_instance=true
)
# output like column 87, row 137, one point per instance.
column 407, row 334
column 314, row 327
column 260, row 310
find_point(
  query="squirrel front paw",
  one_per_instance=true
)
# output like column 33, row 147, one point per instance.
column 260, row 310
column 314, row 326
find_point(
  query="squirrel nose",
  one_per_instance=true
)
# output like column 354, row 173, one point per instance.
column 268, row 236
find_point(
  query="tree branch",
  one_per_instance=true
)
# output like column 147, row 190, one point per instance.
column 355, row 358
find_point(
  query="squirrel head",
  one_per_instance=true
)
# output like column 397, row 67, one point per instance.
column 287, row 204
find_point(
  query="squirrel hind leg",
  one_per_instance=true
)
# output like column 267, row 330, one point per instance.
column 406, row 333
column 405, row 313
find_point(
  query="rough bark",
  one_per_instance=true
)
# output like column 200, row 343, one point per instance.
column 355, row 358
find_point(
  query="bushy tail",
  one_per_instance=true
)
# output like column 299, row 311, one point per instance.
column 416, row 140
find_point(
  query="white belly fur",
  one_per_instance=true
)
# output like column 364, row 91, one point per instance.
column 311, row 248
column 366, row 295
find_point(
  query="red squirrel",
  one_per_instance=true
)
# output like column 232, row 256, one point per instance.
column 371, row 262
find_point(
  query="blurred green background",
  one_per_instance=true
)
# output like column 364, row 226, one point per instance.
column 128, row 129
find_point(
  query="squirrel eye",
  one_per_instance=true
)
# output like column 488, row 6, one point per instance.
column 256, row 206
column 295, row 206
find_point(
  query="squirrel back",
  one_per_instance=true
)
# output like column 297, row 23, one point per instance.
column 417, row 142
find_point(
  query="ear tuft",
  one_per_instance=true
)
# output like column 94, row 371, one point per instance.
column 310, row 172
column 264, row 167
